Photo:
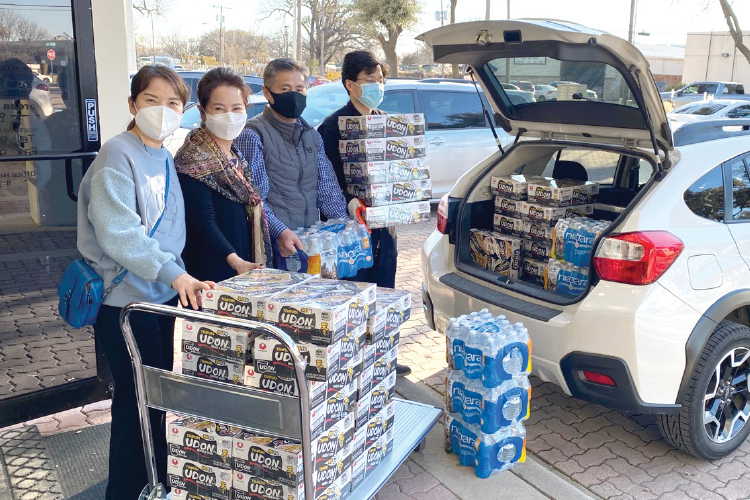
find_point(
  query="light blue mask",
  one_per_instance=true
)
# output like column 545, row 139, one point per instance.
column 372, row 94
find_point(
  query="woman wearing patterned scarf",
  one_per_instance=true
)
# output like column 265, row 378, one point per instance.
column 227, row 230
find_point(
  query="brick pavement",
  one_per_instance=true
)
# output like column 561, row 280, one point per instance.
column 37, row 349
column 614, row 455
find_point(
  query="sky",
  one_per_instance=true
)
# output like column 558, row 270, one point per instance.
column 667, row 21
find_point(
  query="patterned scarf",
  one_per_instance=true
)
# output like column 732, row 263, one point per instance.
column 202, row 159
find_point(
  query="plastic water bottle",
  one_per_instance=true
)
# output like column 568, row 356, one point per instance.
column 364, row 242
column 346, row 263
column 509, row 356
column 329, row 256
column 313, row 250
column 464, row 397
column 461, row 439
column 571, row 238
column 500, row 451
column 473, row 354
column 505, row 405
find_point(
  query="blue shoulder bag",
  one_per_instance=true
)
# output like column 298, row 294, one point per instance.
column 81, row 289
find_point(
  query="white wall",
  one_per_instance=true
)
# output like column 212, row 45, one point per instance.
column 704, row 60
column 113, row 43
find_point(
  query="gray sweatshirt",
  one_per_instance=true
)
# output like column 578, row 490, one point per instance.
column 119, row 201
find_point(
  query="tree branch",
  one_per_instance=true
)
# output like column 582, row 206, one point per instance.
column 734, row 28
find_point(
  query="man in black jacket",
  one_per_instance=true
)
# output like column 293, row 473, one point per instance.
column 363, row 77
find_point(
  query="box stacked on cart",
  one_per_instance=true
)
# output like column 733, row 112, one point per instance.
column 528, row 207
column 487, row 391
column 385, row 166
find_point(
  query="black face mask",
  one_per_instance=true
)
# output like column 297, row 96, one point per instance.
column 289, row 104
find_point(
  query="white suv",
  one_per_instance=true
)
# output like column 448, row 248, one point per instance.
column 661, row 326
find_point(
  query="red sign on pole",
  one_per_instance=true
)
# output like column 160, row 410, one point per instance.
column 51, row 55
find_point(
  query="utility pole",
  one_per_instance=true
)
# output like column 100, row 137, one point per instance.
column 487, row 11
column 153, row 40
column 298, row 55
column 322, row 39
column 286, row 40
column 442, row 23
column 631, row 28
column 221, row 32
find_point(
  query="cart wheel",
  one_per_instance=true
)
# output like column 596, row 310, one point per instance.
column 421, row 446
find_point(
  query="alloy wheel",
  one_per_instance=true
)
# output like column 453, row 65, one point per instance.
column 727, row 398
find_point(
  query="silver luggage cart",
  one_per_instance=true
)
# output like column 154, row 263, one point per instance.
column 272, row 414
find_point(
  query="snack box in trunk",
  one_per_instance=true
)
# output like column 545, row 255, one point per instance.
column 508, row 207
column 550, row 215
column 216, row 369
column 538, row 231
column 362, row 127
column 537, row 250
column 561, row 192
column 397, row 215
column 514, row 187
column 534, row 271
column 227, row 343
column 508, row 225
column 496, row 252
column 380, row 172
column 377, row 195
column 201, row 441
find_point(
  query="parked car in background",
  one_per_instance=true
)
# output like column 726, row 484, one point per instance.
column 590, row 94
column 314, row 81
column 44, row 78
column 524, row 85
column 458, row 135
column 193, row 77
column 191, row 118
column 697, row 91
column 655, row 319
column 509, row 86
column 545, row 93
column 40, row 95
column 708, row 110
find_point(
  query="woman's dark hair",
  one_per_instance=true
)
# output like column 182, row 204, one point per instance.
column 146, row 74
column 357, row 61
column 217, row 77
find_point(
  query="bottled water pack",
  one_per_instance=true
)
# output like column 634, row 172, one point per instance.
column 487, row 453
column 488, row 348
column 490, row 409
column 335, row 249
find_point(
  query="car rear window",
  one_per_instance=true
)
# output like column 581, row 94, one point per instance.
column 600, row 165
column 702, row 109
column 705, row 198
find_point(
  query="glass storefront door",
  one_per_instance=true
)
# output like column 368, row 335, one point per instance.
column 48, row 136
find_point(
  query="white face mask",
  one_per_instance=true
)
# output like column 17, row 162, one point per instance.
column 226, row 126
column 157, row 122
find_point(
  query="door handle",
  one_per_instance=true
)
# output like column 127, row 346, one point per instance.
column 437, row 141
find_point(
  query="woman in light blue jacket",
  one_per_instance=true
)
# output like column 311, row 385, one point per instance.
column 131, row 217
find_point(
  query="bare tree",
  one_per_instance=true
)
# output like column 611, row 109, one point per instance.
column 152, row 7
column 30, row 31
column 8, row 22
column 734, row 28
column 173, row 43
column 389, row 18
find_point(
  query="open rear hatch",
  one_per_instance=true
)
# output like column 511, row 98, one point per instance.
column 507, row 228
column 605, row 91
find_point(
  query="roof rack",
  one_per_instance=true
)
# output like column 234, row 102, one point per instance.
column 441, row 80
column 709, row 130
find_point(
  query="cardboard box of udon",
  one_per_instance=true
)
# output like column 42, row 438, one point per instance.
column 396, row 215
column 228, row 343
column 271, row 356
column 376, row 195
column 210, row 482
column 379, row 172
column 201, row 441
column 279, row 384
column 362, row 127
column 244, row 296
column 315, row 316
column 399, row 125
column 362, row 150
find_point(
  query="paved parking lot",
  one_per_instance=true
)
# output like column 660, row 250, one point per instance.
column 615, row 456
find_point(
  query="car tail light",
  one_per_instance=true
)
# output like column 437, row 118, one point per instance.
column 636, row 258
column 599, row 378
column 43, row 86
column 550, row 91
column 442, row 215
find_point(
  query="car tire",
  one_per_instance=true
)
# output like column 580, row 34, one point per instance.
column 714, row 396
column 541, row 98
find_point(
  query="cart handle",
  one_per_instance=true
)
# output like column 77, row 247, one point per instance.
column 299, row 365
